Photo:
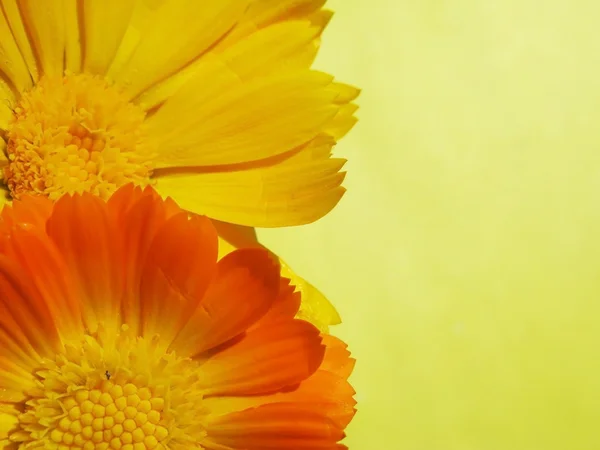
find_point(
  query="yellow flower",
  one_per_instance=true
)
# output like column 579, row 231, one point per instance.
column 121, row 329
column 212, row 102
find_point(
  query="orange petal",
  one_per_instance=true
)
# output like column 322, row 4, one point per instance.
column 129, row 195
column 139, row 214
column 27, row 330
column 81, row 228
column 314, row 307
column 49, row 278
column 328, row 388
column 285, row 306
column 185, row 250
column 139, row 225
column 265, row 360
column 124, row 198
column 178, row 268
column 27, row 212
column 16, row 366
column 18, row 349
column 337, row 358
column 276, row 426
column 244, row 287
column 37, row 307
column 333, row 395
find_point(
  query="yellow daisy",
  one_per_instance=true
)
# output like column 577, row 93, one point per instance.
column 212, row 102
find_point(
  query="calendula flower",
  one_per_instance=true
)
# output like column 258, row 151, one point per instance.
column 119, row 329
column 212, row 102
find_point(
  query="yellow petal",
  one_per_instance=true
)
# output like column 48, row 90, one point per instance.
column 314, row 308
column 7, row 423
column 297, row 191
column 45, row 25
column 3, row 162
column 7, row 99
column 249, row 122
column 283, row 46
column 345, row 93
column 12, row 64
column 234, row 236
column 73, row 49
column 104, row 23
column 4, row 199
column 11, row 10
column 263, row 13
column 342, row 122
column 167, row 35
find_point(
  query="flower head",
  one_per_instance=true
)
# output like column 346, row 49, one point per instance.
column 120, row 329
column 212, row 102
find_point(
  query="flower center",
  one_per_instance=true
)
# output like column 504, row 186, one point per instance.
column 118, row 392
column 111, row 413
column 73, row 134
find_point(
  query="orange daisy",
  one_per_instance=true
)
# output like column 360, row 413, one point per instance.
column 212, row 102
column 121, row 329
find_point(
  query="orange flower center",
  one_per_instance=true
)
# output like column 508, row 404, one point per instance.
column 73, row 134
column 113, row 391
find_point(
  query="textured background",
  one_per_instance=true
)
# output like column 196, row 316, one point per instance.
column 465, row 256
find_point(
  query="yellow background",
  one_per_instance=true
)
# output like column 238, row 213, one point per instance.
column 465, row 257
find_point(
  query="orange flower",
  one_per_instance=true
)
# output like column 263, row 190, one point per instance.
column 120, row 329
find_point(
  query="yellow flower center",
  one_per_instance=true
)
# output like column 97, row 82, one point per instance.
column 113, row 392
column 73, row 134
